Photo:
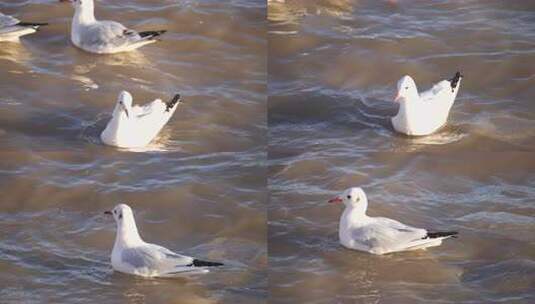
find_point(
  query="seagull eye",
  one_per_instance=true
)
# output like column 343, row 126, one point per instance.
column 120, row 216
column 349, row 197
column 406, row 88
column 358, row 199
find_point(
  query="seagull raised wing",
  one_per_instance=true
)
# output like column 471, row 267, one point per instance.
column 424, row 113
column 136, row 126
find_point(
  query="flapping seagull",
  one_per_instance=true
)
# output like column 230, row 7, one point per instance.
column 12, row 28
column 379, row 235
column 136, row 126
column 104, row 37
column 132, row 255
column 423, row 114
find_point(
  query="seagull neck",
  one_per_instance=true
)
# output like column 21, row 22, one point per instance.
column 127, row 233
column 356, row 213
column 121, row 116
column 85, row 14
column 118, row 116
column 404, row 109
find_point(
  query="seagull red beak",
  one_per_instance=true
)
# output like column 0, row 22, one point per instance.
column 107, row 212
column 397, row 98
column 335, row 200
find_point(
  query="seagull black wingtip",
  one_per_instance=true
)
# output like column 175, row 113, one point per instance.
column 31, row 24
column 152, row 34
column 201, row 263
column 170, row 104
column 455, row 80
column 438, row 234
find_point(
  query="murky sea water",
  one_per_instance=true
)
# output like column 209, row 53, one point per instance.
column 200, row 189
column 333, row 66
column 329, row 68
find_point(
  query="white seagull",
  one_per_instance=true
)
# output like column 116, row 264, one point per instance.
column 423, row 114
column 12, row 28
column 104, row 37
column 132, row 255
column 136, row 126
column 379, row 235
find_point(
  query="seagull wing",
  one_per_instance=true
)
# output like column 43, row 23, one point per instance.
column 11, row 27
column 397, row 225
column 6, row 21
column 444, row 92
column 154, row 115
column 387, row 236
column 157, row 106
column 155, row 258
column 440, row 91
column 109, row 34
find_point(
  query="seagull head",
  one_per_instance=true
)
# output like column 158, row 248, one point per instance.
column 81, row 4
column 124, row 103
column 406, row 89
column 126, row 224
column 120, row 213
column 351, row 197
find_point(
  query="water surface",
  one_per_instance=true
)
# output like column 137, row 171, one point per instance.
column 199, row 189
column 332, row 71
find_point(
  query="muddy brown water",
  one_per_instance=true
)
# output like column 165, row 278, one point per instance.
column 332, row 71
column 199, row 190
column 286, row 103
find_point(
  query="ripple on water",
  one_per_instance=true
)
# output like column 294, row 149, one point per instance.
column 202, row 179
column 330, row 89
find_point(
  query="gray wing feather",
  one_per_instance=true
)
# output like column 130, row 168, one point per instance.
column 147, row 109
column 441, row 88
column 387, row 236
column 139, row 257
column 154, row 257
column 175, row 258
column 6, row 20
column 108, row 33
column 398, row 225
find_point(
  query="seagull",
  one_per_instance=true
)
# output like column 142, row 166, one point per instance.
column 104, row 37
column 12, row 28
column 136, row 126
column 379, row 235
column 132, row 255
column 423, row 114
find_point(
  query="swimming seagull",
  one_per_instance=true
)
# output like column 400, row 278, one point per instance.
column 136, row 126
column 132, row 255
column 379, row 235
column 423, row 114
column 12, row 28
column 104, row 37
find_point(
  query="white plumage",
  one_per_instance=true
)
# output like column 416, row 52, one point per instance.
column 379, row 235
column 136, row 126
column 12, row 28
column 425, row 113
column 132, row 255
column 104, row 37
